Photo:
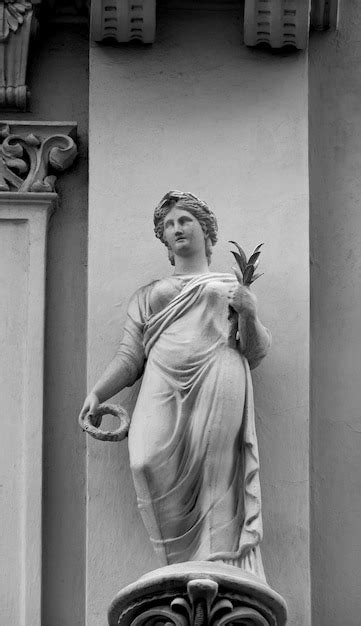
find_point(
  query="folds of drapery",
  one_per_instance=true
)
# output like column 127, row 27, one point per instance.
column 193, row 444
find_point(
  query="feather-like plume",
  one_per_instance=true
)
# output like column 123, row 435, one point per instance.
column 247, row 267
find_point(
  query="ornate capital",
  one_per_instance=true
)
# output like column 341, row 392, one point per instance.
column 31, row 153
column 198, row 593
column 123, row 20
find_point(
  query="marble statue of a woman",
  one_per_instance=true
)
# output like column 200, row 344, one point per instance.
column 192, row 440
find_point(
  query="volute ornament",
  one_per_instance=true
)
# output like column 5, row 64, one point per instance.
column 28, row 162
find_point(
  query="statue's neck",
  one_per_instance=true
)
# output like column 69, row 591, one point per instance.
column 191, row 265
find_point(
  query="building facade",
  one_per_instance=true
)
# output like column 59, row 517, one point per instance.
column 269, row 136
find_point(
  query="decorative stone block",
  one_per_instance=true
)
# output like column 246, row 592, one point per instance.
column 198, row 593
column 123, row 20
column 276, row 22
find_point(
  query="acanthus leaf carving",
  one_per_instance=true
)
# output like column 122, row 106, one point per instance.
column 26, row 160
column 12, row 15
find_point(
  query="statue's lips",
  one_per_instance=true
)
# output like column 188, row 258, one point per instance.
column 180, row 239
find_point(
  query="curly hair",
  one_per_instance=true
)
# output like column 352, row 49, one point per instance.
column 198, row 208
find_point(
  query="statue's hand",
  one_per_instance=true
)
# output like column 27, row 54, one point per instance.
column 243, row 301
column 89, row 407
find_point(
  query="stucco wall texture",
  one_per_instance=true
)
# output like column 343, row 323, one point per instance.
column 199, row 111
column 335, row 239
column 58, row 80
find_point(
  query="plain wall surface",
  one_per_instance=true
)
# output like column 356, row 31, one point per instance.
column 335, row 190
column 14, row 247
column 58, row 80
column 198, row 111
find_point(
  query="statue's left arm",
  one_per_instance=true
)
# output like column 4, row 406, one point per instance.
column 255, row 339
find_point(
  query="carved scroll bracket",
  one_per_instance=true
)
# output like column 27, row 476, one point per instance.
column 17, row 24
column 198, row 593
column 31, row 154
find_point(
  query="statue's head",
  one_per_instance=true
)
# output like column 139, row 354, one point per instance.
column 196, row 207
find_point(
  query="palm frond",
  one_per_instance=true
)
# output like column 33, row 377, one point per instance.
column 247, row 267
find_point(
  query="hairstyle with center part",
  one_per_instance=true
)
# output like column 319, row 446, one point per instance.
column 198, row 208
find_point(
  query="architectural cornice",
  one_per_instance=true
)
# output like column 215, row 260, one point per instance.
column 277, row 23
column 31, row 153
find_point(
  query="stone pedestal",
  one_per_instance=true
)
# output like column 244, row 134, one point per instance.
column 198, row 593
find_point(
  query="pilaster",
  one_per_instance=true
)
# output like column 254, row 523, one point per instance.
column 29, row 154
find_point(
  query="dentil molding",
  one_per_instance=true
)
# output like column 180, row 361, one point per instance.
column 275, row 22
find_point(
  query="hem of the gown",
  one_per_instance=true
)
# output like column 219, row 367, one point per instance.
column 251, row 562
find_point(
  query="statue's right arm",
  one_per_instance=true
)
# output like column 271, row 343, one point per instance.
column 115, row 378
column 126, row 366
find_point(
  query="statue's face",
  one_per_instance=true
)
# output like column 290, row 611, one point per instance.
column 183, row 233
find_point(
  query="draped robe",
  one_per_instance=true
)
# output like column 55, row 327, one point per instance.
column 192, row 440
